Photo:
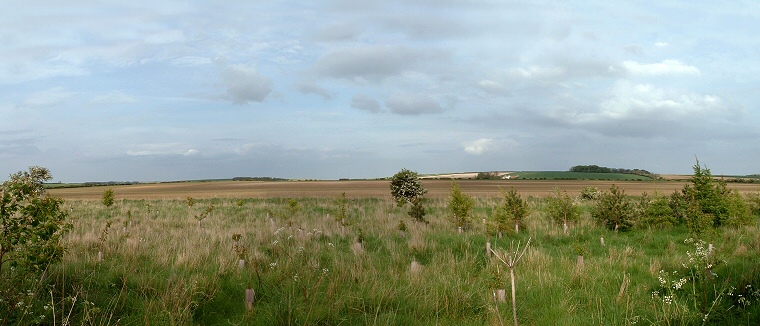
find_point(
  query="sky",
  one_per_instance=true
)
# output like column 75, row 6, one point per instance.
column 163, row 90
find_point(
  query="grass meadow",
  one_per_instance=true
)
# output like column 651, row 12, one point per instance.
column 161, row 266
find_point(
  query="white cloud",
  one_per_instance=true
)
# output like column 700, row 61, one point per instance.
column 480, row 146
column 631, row 101
column 666, row 67
column 191, row 152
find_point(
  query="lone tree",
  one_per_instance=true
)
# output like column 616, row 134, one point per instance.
column 406, row 187
column 109, row 198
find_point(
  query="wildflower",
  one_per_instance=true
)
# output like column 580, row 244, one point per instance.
column 325, row 270
column 295, row 277
column 275, row 242
column 272, row 265
column 668, row 299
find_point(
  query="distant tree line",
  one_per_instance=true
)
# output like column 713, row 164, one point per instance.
column 604, row 169
column 258, row 179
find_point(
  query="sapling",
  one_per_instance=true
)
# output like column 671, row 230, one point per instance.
column 402, row 227
column 459, row 205
column 511, row 259
column 203, row 215
column 102, row 240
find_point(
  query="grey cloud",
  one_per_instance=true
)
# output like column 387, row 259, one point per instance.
column 310, row 87
column 337, row 32
column 365, row 103
column 370, row 62
column 413, row 104
column 245, row 84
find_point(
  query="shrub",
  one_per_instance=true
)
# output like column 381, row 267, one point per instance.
column 32, row 225
column 590, row 193
column 710, row 204
column 655, row 212
column 614, row 210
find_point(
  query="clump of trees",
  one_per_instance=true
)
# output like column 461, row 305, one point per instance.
column 604, row 169
column 704, row 205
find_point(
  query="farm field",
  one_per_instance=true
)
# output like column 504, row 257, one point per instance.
column 365, row 189
column 152, row 258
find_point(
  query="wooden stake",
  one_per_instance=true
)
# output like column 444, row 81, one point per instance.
column 241, row 263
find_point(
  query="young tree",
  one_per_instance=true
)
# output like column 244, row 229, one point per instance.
column 406, row 187
column 513, row 211
column 562, row 209
column 109, row 198
column 460, row 205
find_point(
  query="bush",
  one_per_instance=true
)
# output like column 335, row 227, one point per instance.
column 655, row 212
column 710, row 204
column 32, row 225
column 590, row 193
column 614, row 210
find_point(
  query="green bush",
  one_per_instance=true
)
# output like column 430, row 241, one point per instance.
column 655, row 212
column 614, row 210
column 32, row 225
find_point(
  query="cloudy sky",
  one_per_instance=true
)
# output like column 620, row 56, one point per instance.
column 158, row 90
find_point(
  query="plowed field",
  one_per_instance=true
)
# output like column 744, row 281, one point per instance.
column 375, row 188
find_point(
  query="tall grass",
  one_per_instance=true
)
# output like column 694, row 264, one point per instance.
column 163, row 269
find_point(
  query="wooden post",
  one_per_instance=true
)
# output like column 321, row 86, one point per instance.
column 241, row 263
column 459, row 230
column 250, row 298
column 602, row 240
column 100, row 255
column 580, row 263
column 488, row 248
